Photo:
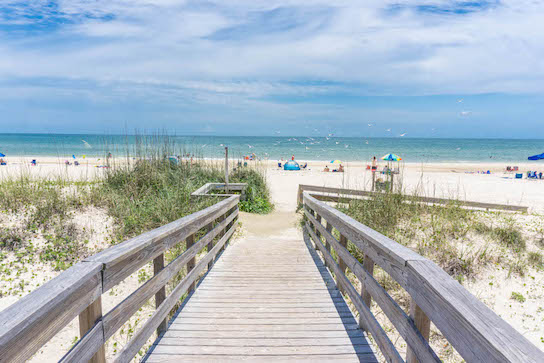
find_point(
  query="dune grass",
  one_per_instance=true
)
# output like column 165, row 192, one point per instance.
column 460, row 240
column 141, row 193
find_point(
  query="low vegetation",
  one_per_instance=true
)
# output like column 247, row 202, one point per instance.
column 41, row 219
column 460, row 240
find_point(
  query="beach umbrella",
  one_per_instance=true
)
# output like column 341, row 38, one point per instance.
column 537, row 157
column 2, row 155
column 336, row 162
column 391, row 157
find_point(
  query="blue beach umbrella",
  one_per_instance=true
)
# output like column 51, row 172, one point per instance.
column 2, row 155
column 536, row 157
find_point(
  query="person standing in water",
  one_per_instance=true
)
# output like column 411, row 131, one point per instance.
column 293, row 157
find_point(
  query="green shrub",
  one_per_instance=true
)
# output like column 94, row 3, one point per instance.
column 518, row 297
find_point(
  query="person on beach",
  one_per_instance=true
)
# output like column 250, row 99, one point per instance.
column 374, row 164
column 326, row 169
column 293, row 157
column 340, row 169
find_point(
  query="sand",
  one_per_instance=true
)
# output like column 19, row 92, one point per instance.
column 450, row 180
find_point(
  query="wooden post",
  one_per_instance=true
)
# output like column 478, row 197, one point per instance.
column 189, row 242
column 318, row 234
column 87, row 319
column 327, row 244
column 219, row 235
column 209, row 227
column 422, row 323
column 227, row 169
column 158, row 265
column 368, row 265
column 391, row 187
column 344, row 242
column 373, row 179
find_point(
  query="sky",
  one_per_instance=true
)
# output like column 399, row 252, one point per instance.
column 372, row 68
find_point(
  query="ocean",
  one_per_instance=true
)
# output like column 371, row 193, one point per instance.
column 275, row 147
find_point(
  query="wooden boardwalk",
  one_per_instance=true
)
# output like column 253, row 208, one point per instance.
column 266, row 298
column 265, row 301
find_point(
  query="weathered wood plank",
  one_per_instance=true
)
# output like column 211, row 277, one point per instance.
column 170, row 358
column 473, row 329
column 385, row 252
column 404, row 324
column 189, row 242
column 266, row 334
column 347, row 194
column 266, row 327
column 256, row 350
column 116, row 317
column 383, row 341
column 423, row 324
column 259, row 342
column 87, row 346
column 28, row 324
column 127, row 257
column 158, row 265
column 88, row 319
column 132, row 347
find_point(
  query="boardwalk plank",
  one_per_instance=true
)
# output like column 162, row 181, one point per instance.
column 265, row 301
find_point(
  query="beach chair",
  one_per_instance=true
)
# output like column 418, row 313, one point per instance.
column 279, row 165
column 519, row 176
column 515, row 168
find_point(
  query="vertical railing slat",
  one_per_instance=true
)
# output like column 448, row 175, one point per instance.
column 189, row 242
column 158, row 265
column 423, row 323
column 87, row 319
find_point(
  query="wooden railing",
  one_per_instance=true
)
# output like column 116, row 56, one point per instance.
column 340, row 194
column 475, row 331
column 32, row 321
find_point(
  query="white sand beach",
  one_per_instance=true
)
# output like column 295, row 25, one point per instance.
column 449, row 180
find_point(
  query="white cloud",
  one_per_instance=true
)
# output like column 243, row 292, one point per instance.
column 239, row 48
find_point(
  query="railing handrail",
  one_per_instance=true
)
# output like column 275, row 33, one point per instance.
column 474, row 330
column 339, row 194
column 31, row 322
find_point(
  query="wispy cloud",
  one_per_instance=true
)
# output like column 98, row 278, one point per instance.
column 256, row 49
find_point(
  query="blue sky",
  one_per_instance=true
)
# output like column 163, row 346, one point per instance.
column 373, row 68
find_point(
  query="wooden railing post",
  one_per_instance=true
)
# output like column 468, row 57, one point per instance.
column 209, row 227
column 158, row 265
column 344, row 242
column 318, row 218
column 327, row 244
column 423, row 324
column 87, row 319
column 189, row 242
column 368, row 265
column 219, row 235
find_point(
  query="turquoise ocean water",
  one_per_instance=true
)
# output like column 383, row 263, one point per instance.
column 304, row 148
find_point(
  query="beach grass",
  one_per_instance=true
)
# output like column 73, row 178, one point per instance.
column 141, row 191
column 460, row 240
